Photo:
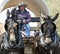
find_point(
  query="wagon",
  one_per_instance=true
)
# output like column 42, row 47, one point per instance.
column 37, row 8
column 32, row 42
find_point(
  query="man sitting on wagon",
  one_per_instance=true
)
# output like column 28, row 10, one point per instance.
column 24, row 15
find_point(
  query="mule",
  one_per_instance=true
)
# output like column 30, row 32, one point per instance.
column 10, row 41
column 49, row 40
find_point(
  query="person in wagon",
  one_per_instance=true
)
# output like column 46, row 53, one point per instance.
column 24, row 15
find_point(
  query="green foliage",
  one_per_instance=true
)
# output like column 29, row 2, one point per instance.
column 54, row 6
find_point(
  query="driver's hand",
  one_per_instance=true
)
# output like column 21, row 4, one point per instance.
column 24, row 21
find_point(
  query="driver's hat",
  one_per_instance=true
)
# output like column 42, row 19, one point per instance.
column 22, row 4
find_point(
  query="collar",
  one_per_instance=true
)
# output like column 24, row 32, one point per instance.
column 22, row 11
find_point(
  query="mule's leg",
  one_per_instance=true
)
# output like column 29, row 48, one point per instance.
column 6, row 52
column 13, row 53
column 37, row 50
column 21, row 51
column 51, row 51
column 41, row 50
column 33, row 50
column 3, row 51
column 56, row 50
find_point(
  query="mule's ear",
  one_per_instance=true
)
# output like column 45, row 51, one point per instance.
column 55, row 17
column 44, row 19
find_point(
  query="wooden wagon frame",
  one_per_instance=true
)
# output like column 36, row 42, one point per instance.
column 33, row 41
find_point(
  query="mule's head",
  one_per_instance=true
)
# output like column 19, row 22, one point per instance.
column 48, row 29
column 11, row 30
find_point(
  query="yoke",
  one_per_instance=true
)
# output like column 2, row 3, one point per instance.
column 31, row 41
column 35, row 19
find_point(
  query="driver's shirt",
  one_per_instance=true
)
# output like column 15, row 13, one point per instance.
column 23, row 15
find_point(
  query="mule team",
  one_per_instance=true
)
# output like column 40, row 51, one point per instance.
column 20, row 19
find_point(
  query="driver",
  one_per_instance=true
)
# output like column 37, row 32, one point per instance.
column 24, row 15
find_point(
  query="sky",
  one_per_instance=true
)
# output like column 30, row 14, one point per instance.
column 1, row 1
column 1, row 14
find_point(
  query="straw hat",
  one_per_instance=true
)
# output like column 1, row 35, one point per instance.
column 22, row 4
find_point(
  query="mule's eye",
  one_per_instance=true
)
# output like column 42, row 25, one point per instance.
column 52, row 26
column 44, row 27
